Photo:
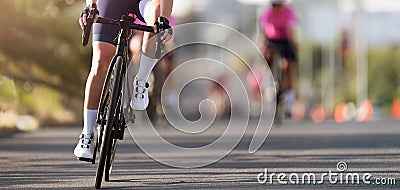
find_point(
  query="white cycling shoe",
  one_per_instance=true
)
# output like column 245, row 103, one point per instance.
column 140, row 97
column 85, row 147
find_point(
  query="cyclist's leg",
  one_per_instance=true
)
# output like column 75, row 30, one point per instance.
column 290, row 56
column 135, row 45
column 103, row 52
column 102, row 55
column 151, row 13
column 267, row 52
column 289, row 75
column 150, row 10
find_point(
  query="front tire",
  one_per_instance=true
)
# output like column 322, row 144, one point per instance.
column 112, row 86
column 110, row 159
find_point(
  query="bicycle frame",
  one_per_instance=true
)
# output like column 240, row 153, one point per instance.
column 121, row 51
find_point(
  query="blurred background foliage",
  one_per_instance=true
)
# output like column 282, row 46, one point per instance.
column 43, row 66
column 384, row 75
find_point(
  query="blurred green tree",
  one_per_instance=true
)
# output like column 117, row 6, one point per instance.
column 383, row 75
column 40, row 46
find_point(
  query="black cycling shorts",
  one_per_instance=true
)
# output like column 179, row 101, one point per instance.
column 113, row 9
column 287, row 50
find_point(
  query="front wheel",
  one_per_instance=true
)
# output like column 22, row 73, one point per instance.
column 111, row 92
column 110, row 159
column 278, row 77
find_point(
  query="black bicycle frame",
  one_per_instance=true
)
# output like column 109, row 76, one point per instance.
column 126, row 24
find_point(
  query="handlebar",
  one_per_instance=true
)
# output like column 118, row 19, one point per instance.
column 132, row 25
column 122, row 23
column 118, row 23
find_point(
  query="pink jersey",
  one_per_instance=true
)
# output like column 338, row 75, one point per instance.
column 275, row 23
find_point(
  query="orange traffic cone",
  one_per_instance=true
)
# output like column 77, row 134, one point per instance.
column 341, row 113
column 366, row 111
column 396, row 109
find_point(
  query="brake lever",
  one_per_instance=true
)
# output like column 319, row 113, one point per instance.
column 89, row 22
column 159, row 44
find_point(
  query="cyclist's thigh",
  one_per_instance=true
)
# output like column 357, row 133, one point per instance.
column 148, row 9
column 289, row 53
column 103, row 52
column 142, row 7
column 112, row 9
column 150, row 12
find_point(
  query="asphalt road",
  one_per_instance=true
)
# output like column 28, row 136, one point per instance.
column 44, row 160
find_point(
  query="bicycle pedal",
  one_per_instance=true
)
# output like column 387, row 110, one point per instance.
column 85, row 159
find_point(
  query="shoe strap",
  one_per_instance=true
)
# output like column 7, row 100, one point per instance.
column 142, row 83
column 86, row 141
column 85, row 146
column 86, row 136
column 139, row 95
column 140, row 90
column 141, row 87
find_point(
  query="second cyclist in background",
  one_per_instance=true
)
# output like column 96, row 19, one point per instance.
column 277, row 23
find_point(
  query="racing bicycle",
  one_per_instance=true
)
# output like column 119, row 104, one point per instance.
column 113, row 116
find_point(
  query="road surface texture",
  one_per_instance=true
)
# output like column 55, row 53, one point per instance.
column 43, row 160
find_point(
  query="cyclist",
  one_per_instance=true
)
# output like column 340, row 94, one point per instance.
column 104, row 47
column 277, row 24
